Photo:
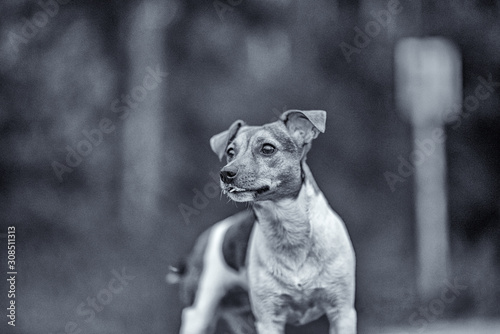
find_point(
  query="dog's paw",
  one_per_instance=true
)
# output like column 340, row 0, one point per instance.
column 192, row 322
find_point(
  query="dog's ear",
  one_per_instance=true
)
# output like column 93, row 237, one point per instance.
column 304, row 125
column 219, row 142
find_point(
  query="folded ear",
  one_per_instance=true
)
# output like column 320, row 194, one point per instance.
column 219, row 142
column 304, row 125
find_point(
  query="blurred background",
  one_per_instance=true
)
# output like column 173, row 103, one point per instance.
column 107, row 108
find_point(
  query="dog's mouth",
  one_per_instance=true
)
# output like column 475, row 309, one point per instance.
column 233, row 189
column 236, row 190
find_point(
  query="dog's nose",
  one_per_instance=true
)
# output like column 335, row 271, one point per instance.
column 228, row 173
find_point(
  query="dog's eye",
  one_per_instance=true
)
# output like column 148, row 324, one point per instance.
column 268, row 149
column 230, row 152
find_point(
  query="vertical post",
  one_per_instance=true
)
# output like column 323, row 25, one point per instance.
column 428, row 84
column 143, row 128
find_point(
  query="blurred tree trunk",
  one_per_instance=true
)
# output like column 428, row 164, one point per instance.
column 142, row 135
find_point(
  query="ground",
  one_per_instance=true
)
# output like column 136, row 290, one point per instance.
column 463, row 327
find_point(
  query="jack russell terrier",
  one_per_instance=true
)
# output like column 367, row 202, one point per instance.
column 287, row 260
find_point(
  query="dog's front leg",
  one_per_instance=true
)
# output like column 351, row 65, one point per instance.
column 343, row 321
column 269, row 327
column 268, row 323
column 268, row 318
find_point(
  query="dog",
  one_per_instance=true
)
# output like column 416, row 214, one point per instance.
column 287, row 260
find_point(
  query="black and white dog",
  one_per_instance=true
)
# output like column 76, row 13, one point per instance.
column 289, row 259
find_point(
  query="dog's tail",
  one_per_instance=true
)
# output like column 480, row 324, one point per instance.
column 175, row 273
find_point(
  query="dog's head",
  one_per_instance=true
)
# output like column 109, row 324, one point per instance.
column 264, row 162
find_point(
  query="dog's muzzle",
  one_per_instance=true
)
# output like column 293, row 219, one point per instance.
column 228, row 174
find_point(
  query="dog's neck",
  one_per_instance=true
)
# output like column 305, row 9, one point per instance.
column 286, row 222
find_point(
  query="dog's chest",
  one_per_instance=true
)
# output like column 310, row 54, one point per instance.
column 303, row 289
column 303, row 276
column 301, row 307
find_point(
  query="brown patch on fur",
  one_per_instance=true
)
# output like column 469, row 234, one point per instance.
column 280, row 132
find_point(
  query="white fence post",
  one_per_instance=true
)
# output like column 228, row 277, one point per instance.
column 428, row 86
